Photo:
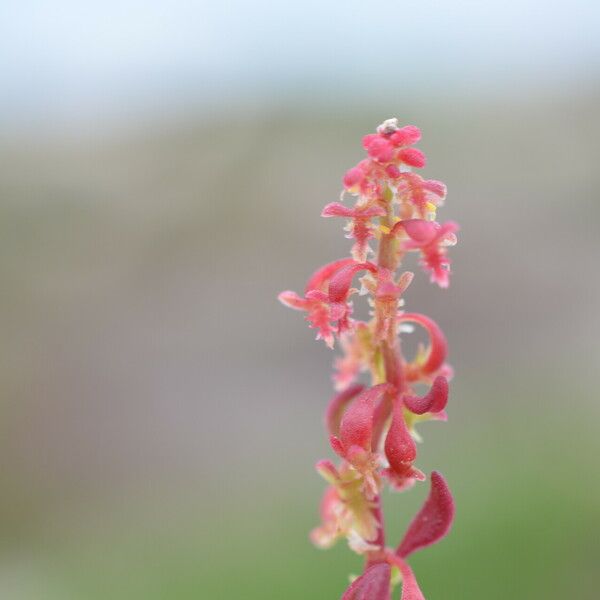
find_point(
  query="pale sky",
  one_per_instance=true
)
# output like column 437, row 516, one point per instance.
column 89, row 57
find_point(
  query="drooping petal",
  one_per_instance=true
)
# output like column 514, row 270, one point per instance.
column 433, row 521
column 337, row 405
column 400, row 448
column 434, row 400
column 373, row 584
column 357, row 423
column 434, row 258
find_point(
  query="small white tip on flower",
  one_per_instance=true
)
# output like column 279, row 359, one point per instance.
column 388, row 126
column 358, row 544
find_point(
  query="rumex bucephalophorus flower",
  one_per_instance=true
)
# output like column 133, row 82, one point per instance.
column 372, row 425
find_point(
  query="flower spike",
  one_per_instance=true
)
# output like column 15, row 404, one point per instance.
column 371, row 426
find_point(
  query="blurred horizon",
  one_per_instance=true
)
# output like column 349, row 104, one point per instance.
column 67, row 64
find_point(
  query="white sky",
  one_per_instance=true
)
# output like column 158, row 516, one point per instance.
column 93, row 56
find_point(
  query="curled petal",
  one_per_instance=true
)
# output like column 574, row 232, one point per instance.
column 433, row 521
column 373, row 584
column 434, row 400
column 321, row 276
column 337, row 405
column 340, row 282
column 357, row 423
column 400, row 448
column 438, row 348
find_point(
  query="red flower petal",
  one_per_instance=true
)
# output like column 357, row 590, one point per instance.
column 340, row 282
column 400, row 448
column 412, row 157
column 419, row 230
column 434, row 400
column 410, row 587
column 337, row 209
column 353, row 177
column 406, row 136
column 373, row 584
column 357, row 423
column 320, row 276
column 380, row 149
column 433, row 520
column 292, row 300
column 337, row 405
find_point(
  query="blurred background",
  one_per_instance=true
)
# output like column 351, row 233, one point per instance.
column 162, row 170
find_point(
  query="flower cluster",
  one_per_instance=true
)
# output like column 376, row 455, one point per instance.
column 372, row 426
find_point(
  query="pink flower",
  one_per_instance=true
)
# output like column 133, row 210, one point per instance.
column 392, row 146
column 355, row 434
column 357, row 355
column 372, row 426
column 431, row 239
column 346, row 511
column 360, row 227
column 328, row 312
column 424, row 195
